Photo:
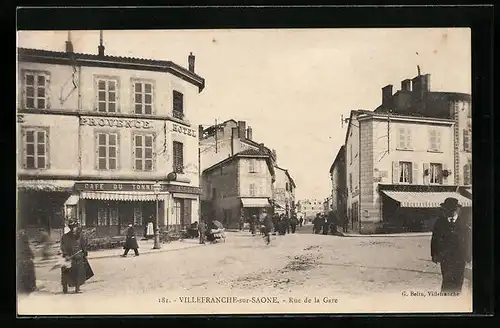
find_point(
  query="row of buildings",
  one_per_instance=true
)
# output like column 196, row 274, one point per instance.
column 401, row 160
column 111, row 141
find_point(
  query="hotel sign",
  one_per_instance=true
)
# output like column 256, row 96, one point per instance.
column 138, row 187
column 184, row 130
column 116, row 123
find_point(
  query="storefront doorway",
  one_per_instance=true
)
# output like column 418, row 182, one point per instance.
column 182, row 212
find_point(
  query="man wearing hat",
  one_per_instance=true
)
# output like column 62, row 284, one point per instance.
column 74, row 249
column 450, row 244
column 130, row 242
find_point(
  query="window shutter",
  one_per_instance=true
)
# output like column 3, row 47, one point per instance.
column 445, row 168
column 134, row 136
column 395, row 172
column 132, row 98
column 47, row 148
column 96, row 150
column 408, row 138
column 118, row 161
column 426, row 177
column 48, row 91
column 415, row 177
column 24, row 148
column 438, row 140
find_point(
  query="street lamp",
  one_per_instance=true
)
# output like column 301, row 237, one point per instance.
column 157, row 189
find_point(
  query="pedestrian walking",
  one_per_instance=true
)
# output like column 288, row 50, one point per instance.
column 253, row 224
column 130, row 242
column 202, row 229
column 326, row 224
column 26, row 278
column 268, row 226
column 293, row 223
column 317, row 223
column 450, row 244
column 301, row 222
column 74, row 249
column 242, row 222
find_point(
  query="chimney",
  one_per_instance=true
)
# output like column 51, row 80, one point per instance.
column 69, row 44
column 416, row 86
column 191, row 62
column 234, row 133
column 200, row 132
column 425, row 82
column 386, row 94
column 406, row 85
column 249, row 133
column 242, row 129
column 234, row 140
column 101, row 46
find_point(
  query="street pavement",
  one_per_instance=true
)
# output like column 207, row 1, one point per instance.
column 383, row 274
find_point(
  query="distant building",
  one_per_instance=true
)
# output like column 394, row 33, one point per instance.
column 284, row 192
column 310, row 208
column 238, row 185
column 95, row 132
column 339, row 187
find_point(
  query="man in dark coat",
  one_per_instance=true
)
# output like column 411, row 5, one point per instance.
column 74, row 248
column 317, row 223
column 26, row 278
column 202, row 228
column 451, row 244
column 268, row 226
column 130, row 242
column 293, row 223
column 253, row 224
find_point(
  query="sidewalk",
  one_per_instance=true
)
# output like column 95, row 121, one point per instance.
column 408, row 234
column 145, row 247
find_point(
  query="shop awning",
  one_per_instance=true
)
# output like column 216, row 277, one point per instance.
column 255, row 202
column 119, row 196
column 278, row 205
column 45, row 185
column 72, row 200
column 425, row 199
column 188, row 196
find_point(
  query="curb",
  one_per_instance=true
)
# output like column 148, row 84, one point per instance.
column 388, row 235
column 53, row 261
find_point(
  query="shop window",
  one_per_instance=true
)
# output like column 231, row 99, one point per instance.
column 137, row 216
column 107, row 95
column 143, row 97
column 107, row 151
column 36, row 85
column 102, row 216
column 178, row 105
column 143, row 152
column 405, row 172
column 436, row 173
column 434, row 139
column 178, row 162
column 35, row 148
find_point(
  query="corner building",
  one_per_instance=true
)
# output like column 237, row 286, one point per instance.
column 96, row 132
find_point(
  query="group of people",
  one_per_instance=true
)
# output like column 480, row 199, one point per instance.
column 325, row 224
column 280, row 224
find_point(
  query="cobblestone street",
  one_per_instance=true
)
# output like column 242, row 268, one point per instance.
column 363, row 273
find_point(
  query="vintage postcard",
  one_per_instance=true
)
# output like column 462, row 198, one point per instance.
column 244, row 171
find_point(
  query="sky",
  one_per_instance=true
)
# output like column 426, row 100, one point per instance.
column 291, row 85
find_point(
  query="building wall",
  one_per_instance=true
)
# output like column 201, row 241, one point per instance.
column 338, row 186
column 462, row 110
column 352, row 173
column 310, row 207
column 369, row 208
column 261, row 178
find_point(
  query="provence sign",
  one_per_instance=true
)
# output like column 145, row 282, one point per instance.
column 184, row 130
column 116, row 123
column 118, row 186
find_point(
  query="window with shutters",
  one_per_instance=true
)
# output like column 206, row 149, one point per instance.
column 178, row 104
column 107, row 150
column 35, row 148
column 252, row 163
column 405, row 172
column 436, row 173
column 434, row 139
column 36, row 89
column 107, row 94
column 144, row 152
column 178, row 163
column 468, row 174
column 467, row 133
column 143, row 97
column 404, row 138
column 252, row 190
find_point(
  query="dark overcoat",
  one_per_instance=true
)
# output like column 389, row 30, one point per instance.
column 26, row 278
column 268, row 223
column 80, row 269
column 131, row 240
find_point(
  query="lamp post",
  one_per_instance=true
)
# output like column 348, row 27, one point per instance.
column 157, row 189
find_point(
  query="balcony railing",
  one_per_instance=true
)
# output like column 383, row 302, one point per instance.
column 178, row 114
